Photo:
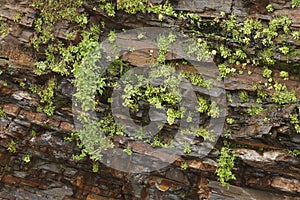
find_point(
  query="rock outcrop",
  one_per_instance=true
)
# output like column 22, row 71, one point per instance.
column 264, row 143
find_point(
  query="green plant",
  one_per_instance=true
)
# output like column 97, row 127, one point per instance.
column 95, row 167
column 285, row 50
column 46, row 95
column 295, row 3
column 202, row 132
column 269, row 8
column 294, row 152
column 282, row 95
column 226, row 163
column 2, row 113
column 243, row 95
column 109, row 8
column 197, row 80
column 233, row 39
column 3, row 28
column 51, row 13
column 173, row 114
column 132, row 7
column 26, row 158
column 254, row 110
column 184, row 165
column 140, row 36
column 12, row 146
column 187, row 148
column 229, row 120
column 214, row 110
column 128, row 150
column 296, row 35
column 267, row 74
column 163, row 44
column 294, row 119
column 32, row 133
column 284, row 75
column 17, row 17
column 157, row 142
column 224, row 70
column 203, row 105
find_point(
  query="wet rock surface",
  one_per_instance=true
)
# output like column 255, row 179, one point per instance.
column 264, row 171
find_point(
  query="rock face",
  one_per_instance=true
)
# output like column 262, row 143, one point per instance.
column 264, row 167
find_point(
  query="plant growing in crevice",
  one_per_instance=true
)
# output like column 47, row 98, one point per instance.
column 46, row 94
column 243, row 95
column 226, row 163
column 95, row 167
column 128, row 150
column 2, row 113
column 254, row 110
column 295, row 3
column 51, row 13
column 294, row 120
column 184, row 165
column 3, row 28
column 282, row 95
column 12, row 146
column 26, row 158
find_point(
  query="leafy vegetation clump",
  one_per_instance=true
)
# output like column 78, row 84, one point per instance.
column 236, row 46
column 3, row 28
column 295, row 3
column 46, row 95
column 226, row 163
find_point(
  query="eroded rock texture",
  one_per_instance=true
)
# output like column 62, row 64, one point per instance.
column 266, row 170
